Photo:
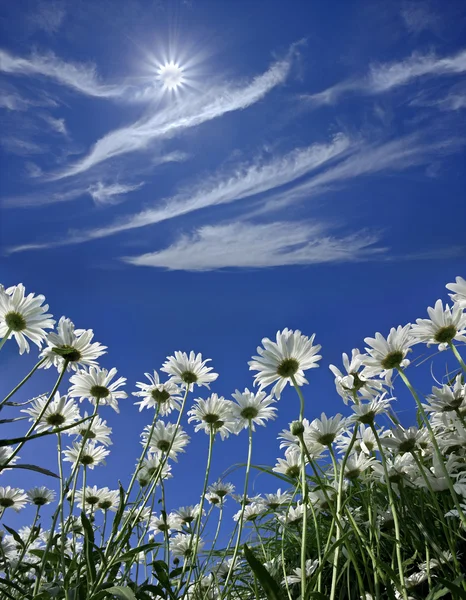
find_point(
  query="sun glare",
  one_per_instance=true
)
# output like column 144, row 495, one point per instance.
column 171, row 75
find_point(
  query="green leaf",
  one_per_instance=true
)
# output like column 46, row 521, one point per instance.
column 134, row 551
column 122, row 593
column 15, row 535
column 35, row 468
column 318, row 596
column 459, row 593
column 119, row 512
column 271, row 588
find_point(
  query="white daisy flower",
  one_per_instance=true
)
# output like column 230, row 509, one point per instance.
column 109, row 499
column 95, row 384
column 213, row 414
column 92, row 496
column 447, row 398
column 295, row 577
column 388, row 354
column 443, row 326
column 274, row 501
column 403, row 440
column 5, row 454
column 401, row 467
column 290, row 465
column 165, row 523
column 324, row 430
column 12, row 498
column 213, row 499
column 251, row 512
column 221, row 488
column 23, row 317
column 92, row 455
column 60, row 412
column 460, row 291
column 357, row 463
column 366, row 412
column 164, row 396
column 252, row 408
column 94, row 429
column 225, row 566
column 183, row 545
column 189, row 370
column 187, row 514
column 166, row 438
column 365, row 440
column 7, row 546
column 40, row 496
column 293, row 515
column 138, row 516
column 151, row 465
column 75, row 346
column 291, row 355
column 354, row 381
column 289, row 439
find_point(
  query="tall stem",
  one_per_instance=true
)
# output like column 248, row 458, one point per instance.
column 21, row 383
column 458, row 356
column 243, row 506
column 5, row 337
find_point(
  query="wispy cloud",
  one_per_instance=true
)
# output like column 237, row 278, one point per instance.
column 49, row 15
column 21, row 147
column 242, row 182
column 419, row 16
column 79, row 77
column 387, row 76
column 103, row 193
column 187, row 113
column 58, row 125
column 259, row 245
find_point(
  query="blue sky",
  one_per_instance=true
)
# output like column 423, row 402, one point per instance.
column 308, row 174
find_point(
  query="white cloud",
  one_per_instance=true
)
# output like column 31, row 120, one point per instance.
column 58, row 125
column 418, row 16
column 385, row 77
column 257, row 246
column 243, row 182
column 13, row 101
column 110, row 193
column 188, row 112
column 79, row 77
column 21, row 147
column 49, row 16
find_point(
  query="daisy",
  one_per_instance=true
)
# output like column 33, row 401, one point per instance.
column 165, row 523
column 447, row 398
column 290, row 465
column 252, row 408
column 221, row 488
column 92, row 496
column 311, row 566
column 138, row 516
column 225, row 566
column 60, row 412
column 166, row 439
column 189, row 370
column 460, row 291
column 290, row 439
column 274, row 501
column 74, row 346
column 214, row 499
column 365, row 440
column 23, row 317
column 40, row 496
column 213, row 415
column 350, row 384
column 12, row 498
column 293, row 515
column 388, row 354
column 152, row 465
column 444, row 326
column 183, row 545
column 324, row 430
column 95, row 385
column 163, row 396
column 5, row 454
column 406, row 440
column 250, row 512
column 109, row 499
column 291, row 355
column 365, row 412
column 357, row 464
column 91, row 454
column 400, row 468
column 95, row 429
column 187, row 514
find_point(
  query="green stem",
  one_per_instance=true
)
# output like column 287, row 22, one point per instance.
column 458, row 356
column 396, row 522
column 28, row 376
column 6, row 337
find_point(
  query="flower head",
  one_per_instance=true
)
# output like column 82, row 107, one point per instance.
column 290, row 465
column 40, row 496
column 94, row 428
column 388, row 354
column 459, row 289
column 60, row 412
column 324, row 430
column 189, row 370
column 291, row 355
column 12, row 498
column 365, row 412
column 213, row 415
column 5, row 457
column 165, row 523
column 295, row 577
column 252, row 409
column 95, row 385
column 89, row 455
column 354, row 381
column 187, row 514
column 166, row 438
column 250, row 512
column 274, row 501
column 447, row 398
column 74, row 346
column 183, row 545
column 23, row 316
column 163, row 396
column 221, row 488
column 443, row 326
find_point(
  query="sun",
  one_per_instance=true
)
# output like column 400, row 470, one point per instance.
column 171, row 75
